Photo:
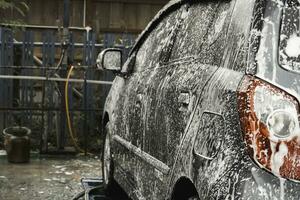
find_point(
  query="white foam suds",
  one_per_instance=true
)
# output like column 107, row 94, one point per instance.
column 282, row 192
column 293, row 46
column 278, row 158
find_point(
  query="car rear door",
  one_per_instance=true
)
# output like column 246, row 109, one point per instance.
column 131, row 118
column 197, row 52
column 196, row 55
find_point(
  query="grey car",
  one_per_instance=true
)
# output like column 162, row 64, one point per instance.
column 207, row 104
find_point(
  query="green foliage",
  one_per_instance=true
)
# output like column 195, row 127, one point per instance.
column 10, row 5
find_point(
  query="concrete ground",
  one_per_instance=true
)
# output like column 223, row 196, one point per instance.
column 51, row 178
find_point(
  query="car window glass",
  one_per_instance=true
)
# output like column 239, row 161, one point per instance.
column 289, row 47
column 203, row 32
column 148, row 54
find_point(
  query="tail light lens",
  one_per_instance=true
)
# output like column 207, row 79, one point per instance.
column 270, row 121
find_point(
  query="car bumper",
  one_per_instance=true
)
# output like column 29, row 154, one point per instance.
column 259, row 184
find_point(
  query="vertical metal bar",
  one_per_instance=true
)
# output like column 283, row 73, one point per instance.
column 45, row 53
column 7, row 61
column 2, row 125
column 85, row 127
column 48, row 60
column 50, row 94
column 10, row 71
column 66, row 13
column 30, row 63
column 48, row 85
column 84, row 13
column 63, row 73
column 70, row 103
column 91, row 87
column 27, row 86
column 85, row 95
column 23, row 83
column 71, row 49
column 4, row 72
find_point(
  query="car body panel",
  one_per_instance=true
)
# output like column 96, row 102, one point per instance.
column 179, row 117
column 220, row 98
column 133, row 118
column 265, row 42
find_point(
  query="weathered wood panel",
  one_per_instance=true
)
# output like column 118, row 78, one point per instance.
column 102, row 15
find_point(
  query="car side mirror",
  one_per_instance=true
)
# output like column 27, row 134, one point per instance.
column 110, row 59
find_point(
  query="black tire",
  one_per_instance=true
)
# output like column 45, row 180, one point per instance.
column 194, row 198
column 107, row 163
column 184, row 189
column 111, row 187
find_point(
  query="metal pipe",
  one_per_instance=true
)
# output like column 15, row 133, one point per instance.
column 42, row 27
column 58, row 44
column 66, row 14
column 84, row 13
column 3, row 109
column 41, row 78
column 80, row 67
column 38, row 61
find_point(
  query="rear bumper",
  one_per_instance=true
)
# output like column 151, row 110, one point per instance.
column 259, row 184
column 244, row 180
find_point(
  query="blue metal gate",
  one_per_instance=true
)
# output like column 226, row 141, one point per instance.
column 31, row 84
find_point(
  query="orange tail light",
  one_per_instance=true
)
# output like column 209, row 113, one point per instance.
column 270, row 122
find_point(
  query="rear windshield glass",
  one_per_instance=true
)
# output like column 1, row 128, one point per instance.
column 289, row 47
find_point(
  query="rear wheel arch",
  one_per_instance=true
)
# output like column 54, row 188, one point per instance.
column 184, row 189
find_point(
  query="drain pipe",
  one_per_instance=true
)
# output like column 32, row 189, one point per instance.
column 84, row 13
column 75, row 28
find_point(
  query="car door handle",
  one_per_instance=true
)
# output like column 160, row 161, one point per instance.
column 139, row 100
column 184, row 99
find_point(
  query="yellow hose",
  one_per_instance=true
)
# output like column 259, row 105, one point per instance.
column 68, row 112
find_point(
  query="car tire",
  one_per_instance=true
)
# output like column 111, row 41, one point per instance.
column 107, row 163
column 193, row 198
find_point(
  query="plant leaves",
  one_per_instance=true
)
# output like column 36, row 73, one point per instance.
column 5, row 5
column 24, row 5
column 20, row 11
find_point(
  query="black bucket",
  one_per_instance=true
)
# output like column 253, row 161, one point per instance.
column 17, row 144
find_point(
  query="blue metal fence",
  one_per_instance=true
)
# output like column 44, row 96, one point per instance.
column 30, row 94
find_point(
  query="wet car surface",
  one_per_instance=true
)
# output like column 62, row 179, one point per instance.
column 207, row 105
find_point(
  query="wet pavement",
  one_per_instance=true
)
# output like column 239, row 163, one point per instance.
column 46, row 178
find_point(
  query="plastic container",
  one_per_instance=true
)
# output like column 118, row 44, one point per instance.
column 17, row 144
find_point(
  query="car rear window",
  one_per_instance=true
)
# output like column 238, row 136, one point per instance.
column 203, row 32
column 149, row 52
column 289, row 47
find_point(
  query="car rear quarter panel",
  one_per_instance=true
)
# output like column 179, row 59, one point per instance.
column 218, row 178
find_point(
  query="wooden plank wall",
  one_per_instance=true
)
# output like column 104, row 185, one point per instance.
column 103, row 15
